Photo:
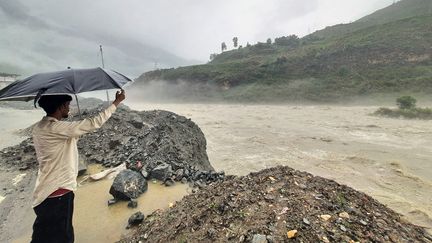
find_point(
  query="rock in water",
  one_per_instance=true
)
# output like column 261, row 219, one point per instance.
column 128, row 185
column 132, row 204
column 136, row 218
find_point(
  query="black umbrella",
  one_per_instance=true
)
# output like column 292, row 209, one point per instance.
column 70, row 81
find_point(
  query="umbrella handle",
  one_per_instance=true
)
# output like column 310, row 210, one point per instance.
column 79, row 110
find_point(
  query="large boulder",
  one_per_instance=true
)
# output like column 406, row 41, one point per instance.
column 128, row 185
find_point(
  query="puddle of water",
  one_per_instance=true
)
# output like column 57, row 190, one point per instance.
column 94, row 221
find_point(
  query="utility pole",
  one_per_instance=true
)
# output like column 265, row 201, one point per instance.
column 103, row 66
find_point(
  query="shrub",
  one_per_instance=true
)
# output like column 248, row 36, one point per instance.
column 406, row 102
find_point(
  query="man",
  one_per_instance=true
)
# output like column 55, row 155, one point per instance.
column 55, row 142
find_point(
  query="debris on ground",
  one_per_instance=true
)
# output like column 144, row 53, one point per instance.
column 278, row 204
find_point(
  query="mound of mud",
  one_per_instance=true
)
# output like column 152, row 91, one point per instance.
column 277, row 205
column 150, row 137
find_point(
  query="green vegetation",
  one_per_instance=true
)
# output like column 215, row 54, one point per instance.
column 386, row 52
column 406, row 109
column 406, row 102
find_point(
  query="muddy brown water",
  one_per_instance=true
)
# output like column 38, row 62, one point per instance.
column 389, row 159
column 94, row 221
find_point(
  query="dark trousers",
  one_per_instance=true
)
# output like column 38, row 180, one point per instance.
column 54, row 220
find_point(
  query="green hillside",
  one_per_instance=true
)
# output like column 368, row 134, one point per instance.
column 389, row 51
column 400, row 10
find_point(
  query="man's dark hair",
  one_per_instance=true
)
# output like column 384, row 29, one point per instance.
column 50, row 103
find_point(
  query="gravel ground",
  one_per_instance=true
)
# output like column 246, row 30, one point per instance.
column 278, row 204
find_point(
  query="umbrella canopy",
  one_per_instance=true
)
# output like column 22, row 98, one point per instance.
column 70, row 81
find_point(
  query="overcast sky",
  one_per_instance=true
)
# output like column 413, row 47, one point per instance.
column 44, row 34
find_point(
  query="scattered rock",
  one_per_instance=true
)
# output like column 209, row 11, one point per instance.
column 238, row 206
column 135, row 219
column 127, row 185
column 132, row 204
column 342, row 228
column 291, row 234
column 344, row 215
column 257, row 238
column 161, row 172
column 325, row 217
column 169, row 182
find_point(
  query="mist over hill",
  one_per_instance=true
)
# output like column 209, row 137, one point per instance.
column 32, row 42
column 388, row 51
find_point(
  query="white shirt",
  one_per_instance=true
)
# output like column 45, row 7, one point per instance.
column 56, row 148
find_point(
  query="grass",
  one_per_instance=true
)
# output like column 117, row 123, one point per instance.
column 414, row 113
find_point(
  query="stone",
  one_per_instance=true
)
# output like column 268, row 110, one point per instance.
column 137, row 122
column 257, row 238
column 306, row 221
column 291, row 234
column 144, row 173
column 179, row 174
column 161, row 172
column 325, row 217
column 325, row 239
column 363, row 222
column 114, row 143
column 132, row 204
column 342, row 228
column 344, row 215
column 184, row 180
column 169, row 182
column 270, row 239
column 128, row 185
column 136, row 218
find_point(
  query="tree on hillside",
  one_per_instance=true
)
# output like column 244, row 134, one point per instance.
column 223, row 46
column 212, row 56
column 291, row 41
column 248, row 45
column 235, row 41
column 269, row 41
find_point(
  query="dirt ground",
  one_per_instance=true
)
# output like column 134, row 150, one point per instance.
column 277, row 205
column 17, row 188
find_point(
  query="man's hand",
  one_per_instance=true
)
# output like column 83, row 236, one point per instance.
column 120, row 96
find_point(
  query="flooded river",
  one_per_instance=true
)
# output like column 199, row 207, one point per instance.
column 389, row 159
